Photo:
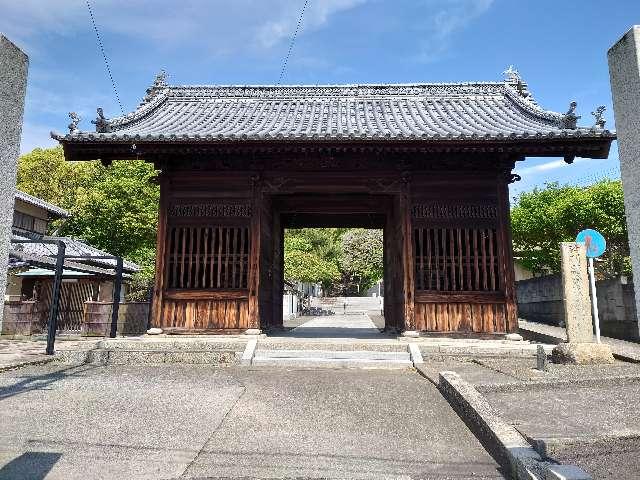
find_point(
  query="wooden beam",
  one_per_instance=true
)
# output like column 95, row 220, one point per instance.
column 214, row 294
column 406, row 237
column 467, row 297
column 254, row 253
column 161, row 240
column 505, row 253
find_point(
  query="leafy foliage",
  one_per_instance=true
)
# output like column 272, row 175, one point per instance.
column 362, row 257
column 344, row 261
column 113, row 208
column 312, row 255
column 543, row 218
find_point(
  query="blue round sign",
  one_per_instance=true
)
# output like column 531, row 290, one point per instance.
column 594, row 241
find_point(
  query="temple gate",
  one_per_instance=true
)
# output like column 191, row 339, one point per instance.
column 430, row 164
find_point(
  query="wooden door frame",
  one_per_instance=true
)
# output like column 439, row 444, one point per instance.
column 347, row 209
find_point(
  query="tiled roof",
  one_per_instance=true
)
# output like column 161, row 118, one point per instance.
column 51, row 208
column 431, row 112
column 73, row 247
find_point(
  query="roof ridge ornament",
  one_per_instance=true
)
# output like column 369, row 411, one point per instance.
column 101, row 122
column 570, row 119
column 159, row 83
column 598, row 113
column 75, row 120
column 513, row 77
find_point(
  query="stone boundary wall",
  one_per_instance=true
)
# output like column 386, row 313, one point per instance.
column 540, row 300
column 20, row 318
column 23, row 319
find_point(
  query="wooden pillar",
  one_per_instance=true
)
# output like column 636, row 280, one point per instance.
column 406, row 237
column 278, row 271
column 161, row 240
column 505, row 252
column 254, row 253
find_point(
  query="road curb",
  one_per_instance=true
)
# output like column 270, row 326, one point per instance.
column 522, row 460
column 28, row 363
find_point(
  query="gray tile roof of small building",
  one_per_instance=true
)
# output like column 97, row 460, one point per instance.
column 73, row 247
column 404, row 112
column 38, row 202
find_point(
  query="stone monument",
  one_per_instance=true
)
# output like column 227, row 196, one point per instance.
column 580, row 347
column 624, row 70
column 13, row 86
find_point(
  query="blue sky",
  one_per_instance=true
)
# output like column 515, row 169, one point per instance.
column 558, row 47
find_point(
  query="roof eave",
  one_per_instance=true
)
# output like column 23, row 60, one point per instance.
column 597, row 146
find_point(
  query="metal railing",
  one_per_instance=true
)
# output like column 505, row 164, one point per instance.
column 57, row 283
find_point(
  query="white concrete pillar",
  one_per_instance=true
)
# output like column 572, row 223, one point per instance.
column 624, row 71
column 13, row 86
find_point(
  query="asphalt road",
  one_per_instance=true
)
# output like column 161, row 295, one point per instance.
column 188, row 421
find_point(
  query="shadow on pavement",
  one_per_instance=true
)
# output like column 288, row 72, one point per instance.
column 29, row 466
column 41, row 382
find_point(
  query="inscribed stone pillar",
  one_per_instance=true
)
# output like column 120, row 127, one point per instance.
column 580, row 347
column 13, row 85
column 575, row 292
column 624, row 71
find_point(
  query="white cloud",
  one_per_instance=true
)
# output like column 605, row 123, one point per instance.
column 315, row 16
column 215, row 26
column 545, row 167
column 444, row 19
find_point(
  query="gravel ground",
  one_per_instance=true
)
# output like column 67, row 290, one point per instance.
column 189, row 421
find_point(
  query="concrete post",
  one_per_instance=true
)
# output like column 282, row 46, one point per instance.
column 13, row 86
column 624, row 71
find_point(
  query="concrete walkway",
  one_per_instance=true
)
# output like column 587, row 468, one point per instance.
column 337, row 326
column 16, row 353
column 628, row 351
column 196, row 421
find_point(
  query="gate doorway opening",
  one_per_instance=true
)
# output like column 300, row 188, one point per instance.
column 333, row 277
column 322, row 247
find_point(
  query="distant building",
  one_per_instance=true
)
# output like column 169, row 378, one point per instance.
column 32, row 265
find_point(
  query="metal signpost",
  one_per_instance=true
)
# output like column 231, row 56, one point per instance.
column 595, row 245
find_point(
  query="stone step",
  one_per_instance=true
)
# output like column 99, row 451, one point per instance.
column 172, row 344
column 332, row 359
column 333, row 354
column 101, row 356
column 301, row 362
column 332, row 345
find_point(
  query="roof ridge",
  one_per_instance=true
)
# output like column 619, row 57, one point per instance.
column 160, row 91
column 38, row 202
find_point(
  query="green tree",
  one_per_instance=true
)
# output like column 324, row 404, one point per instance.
column 362, row 261
column 543, row 218
column 45, row 174
column 113, row 208
column 312, row 255
column 118, row 212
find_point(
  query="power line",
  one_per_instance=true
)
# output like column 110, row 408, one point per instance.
column 104, row 55
column 293, row 40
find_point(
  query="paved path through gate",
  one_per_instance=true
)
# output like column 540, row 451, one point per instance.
column 337, row 326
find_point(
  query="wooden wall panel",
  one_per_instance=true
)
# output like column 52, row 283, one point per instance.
column 200, row 315
column 461, row 317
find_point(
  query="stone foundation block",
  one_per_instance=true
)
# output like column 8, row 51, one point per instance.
column 565, row 472
column 582, row 353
